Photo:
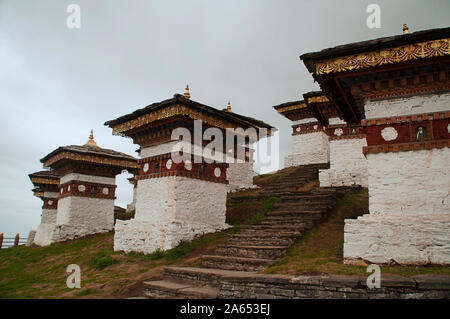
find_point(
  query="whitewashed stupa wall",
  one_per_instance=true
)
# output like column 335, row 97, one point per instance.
column 409, row 201
column 308, row 148
column 171, row 209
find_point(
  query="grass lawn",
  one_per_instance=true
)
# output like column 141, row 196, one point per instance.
column 40, row 272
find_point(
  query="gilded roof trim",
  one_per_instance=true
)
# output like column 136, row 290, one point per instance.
column 393, row 55
column 292, row 107
column 90, row 159
column 170, row 111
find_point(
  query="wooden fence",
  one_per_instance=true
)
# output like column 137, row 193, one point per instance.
column 6, row 242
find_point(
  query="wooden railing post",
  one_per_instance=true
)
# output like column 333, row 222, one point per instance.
column 1, row 240
column 16, row 241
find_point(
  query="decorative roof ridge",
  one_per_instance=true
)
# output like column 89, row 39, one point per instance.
column 374, row 45
column 313, row 93
column 89, row 150
column 52, row 174
column 179, row 98
column 285, row 104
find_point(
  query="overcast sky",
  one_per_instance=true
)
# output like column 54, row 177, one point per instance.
column 57, row 83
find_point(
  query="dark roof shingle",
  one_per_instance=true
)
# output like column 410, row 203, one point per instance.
column 89, row 150
column 180, row 99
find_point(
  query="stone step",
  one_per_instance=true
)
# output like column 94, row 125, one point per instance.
column 275, row 194
column 283, row 191
column 252, row 198
column 304, row 219
column 303, row 205
column 304, row 174
column 162, row 289
column 306, row 224
column 267, row 233
column 289, row 190
column 197, row 276
column 259, row 252
column 287, row 187
column 236, row 263
column 294, row 176
column 292, row 183
column 274, row 228
column 295, row 213
column 262, row 241
column 293, row 180
column 309, row 198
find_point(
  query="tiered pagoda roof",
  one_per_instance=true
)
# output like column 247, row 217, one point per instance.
column 46, row 180
column 182, row 107
column 89, row 153
column 315, row 104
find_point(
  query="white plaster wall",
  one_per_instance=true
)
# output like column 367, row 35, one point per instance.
column 87, row 213
column 48, row 216
column 139, row 236
column 181, row 209
column 418, row 104
column 348, row 166
column 310, row 148
column 154, row 150
column 410, row 182
column 200, row 201
column 30, row 239
column 68, row 232
column 336, row 121
column 240, row 175
column 155, row 199
column 304, row 121
column 414, row 238
column 44, row 234
column 51, row 194
column 409, row 204
column 409, row 197
column 76, row 217
column 87, row 178
column 132, row 206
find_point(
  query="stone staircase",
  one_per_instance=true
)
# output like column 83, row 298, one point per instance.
column 257, row 246
column 290, row 182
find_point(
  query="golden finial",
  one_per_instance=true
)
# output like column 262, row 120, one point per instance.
column 91, row 141
column 229, row 107
column 186, row 92
column 405, row 29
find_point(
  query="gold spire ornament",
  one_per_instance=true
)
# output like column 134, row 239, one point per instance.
column 91, row 141
column 186, row 92
column 229, row 107
column 405, row 29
